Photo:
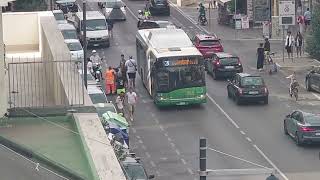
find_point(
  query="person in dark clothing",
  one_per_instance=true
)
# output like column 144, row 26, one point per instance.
column 267, row 45
column 110, row 27
column 260, row 56
column 298, row 42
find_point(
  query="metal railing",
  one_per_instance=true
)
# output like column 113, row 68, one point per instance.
column 44, row 84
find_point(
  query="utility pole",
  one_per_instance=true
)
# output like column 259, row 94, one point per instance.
column 84, row 40
column 51, row 5
column 203, row 158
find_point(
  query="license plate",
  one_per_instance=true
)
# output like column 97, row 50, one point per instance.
column 182, row 103
column 317, row 134
column 253, row 92
column 95, row 44
column 229, row 67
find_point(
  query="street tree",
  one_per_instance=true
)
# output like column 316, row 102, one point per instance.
column 30, row 5
column 313, row 36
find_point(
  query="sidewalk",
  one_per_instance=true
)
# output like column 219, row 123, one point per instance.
column 297, row 64
column 222, row 31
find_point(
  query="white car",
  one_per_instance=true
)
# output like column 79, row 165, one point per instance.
column 59, row 16
column 114, row 9
column 68, row 31
column 75, row 48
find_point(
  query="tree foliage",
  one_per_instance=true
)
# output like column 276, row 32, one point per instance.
column 313, row 38
column 30, row 5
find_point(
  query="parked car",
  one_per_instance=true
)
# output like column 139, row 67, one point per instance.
column 159, row 7
column 68, row 31
column 67, row 6
column 245, row 88
column 303, row 127
column 133, row 169
column 59, row 16
column 114, row 9
column 223, row 65
column 75, row 49
column 313, row 80
column 207, row 44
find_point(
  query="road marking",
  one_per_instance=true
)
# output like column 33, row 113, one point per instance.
column 140, row 141
column 166, row 134
column 143, row 147
column 169, row 139
column 248, row 139
column 183, row 161
column 148, row 155
column 152, row 164
column 223, row 112
column 270, row 162
column 130, row 11
column 138, row 137
column 316, row 95
column 156, row 120
column 161, row 127
column 243, row 133
column 172, row 144
column 178, row 152
column 190, row 171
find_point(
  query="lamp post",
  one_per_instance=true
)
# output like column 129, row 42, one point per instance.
column 84, row 40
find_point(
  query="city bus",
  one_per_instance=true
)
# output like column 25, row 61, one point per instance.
column 171, row 68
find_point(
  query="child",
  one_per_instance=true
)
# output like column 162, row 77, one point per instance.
column 119, row 102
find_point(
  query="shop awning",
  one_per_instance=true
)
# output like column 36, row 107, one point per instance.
column 223, row 1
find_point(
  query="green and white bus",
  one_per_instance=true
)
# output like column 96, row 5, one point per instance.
column 171, row 68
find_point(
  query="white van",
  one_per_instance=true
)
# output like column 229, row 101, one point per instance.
column 97, row 29
column 68, row 31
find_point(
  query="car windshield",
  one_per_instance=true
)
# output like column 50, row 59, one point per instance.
column 228, row 60
column 74, row 46
column 164, row 24
column 58, row 16
column 252, row 81
column 97, row 98
column 69, row 34
column 102, row 110
column 209, row 43
column 114, row 4
column 177, row 73
column 160, row 2
column 312, row 118
column 149, row 25
column 135, row 172
column 96, row 24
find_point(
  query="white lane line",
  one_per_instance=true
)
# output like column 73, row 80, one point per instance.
column 183, row 161
column 223, row 112
column 190, row 171
column 166, row 134
column 140, row 141
column 161, row 127
column 316, row 95
column 148, row 155
column 152, row 164
column 143, row 147
column 156, row 120
column 169, row 139
column 248, row 139
column 271, row 163
column 178, row 152
column 243, row 133
column 130, row 11
column 138, row 137
column 173, row 145
column 255, row 146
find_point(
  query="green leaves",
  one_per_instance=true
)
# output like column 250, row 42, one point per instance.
column 30, row 5
column 313, row 38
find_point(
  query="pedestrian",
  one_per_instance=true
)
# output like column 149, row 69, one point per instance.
column 110, row 81
column 131, row 68
column 89, row 66
column 298, row 43
column 307, row 18
column 123, row 69
column 300, row 22
column 147, row 13
column 289, row 44
column 132, row 100
column 120, row 101
column 266, row 45
column 110, row 27
column 260, row 57
column 214, row 4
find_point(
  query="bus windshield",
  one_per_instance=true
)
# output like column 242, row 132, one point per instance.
column 179, row 73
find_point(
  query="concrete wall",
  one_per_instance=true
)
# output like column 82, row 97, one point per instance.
column 3, row 77
column 21, row 31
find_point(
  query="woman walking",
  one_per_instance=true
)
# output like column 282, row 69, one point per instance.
column 298, row 42
column 260, row 57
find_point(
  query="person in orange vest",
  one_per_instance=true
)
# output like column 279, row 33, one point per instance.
column 110, row 81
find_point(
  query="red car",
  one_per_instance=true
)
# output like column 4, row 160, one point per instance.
column 207, row 44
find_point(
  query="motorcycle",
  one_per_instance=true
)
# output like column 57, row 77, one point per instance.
column 97, row 72
column 203, row 20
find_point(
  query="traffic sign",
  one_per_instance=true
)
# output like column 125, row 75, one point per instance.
column 287, row 12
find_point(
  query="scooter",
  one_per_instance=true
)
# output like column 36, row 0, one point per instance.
column 203, row 20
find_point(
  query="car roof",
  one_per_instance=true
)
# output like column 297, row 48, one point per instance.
column 207, row 37
column 224, row 55
column 71, row 41
column 66, row 26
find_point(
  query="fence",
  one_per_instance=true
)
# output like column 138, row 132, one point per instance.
column 35, row 83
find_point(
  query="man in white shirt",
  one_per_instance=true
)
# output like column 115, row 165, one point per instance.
column 289, row 44
column 131, row 67
column 132, row 100
column 95, row 58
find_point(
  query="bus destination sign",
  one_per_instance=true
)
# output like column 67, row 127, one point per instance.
column 180, row 62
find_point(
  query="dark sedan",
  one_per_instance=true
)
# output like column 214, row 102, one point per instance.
column 313, row 80
column 303, row 127
column 159, row 7
column 246, row 88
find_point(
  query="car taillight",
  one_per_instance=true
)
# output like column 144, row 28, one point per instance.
column 306, row 129
column 217, row 63
column 240, row 91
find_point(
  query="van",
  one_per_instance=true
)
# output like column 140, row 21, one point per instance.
column 97, row 29
column 68, row 31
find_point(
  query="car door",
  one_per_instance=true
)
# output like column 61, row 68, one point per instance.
column 316, row 80
column 235, row 84
column 296, row 119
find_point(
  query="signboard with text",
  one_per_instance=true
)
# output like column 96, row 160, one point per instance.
column 287, row 12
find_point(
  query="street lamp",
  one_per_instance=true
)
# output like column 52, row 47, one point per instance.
column 84, row 40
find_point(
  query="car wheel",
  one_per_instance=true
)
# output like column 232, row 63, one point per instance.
column 308, row 85
column 285, row 129
column 297, row 139
column 266, row 101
